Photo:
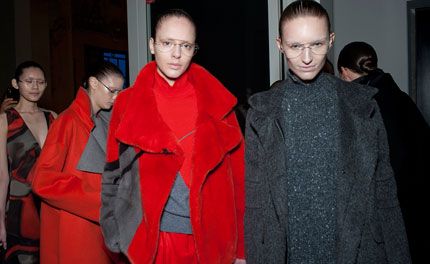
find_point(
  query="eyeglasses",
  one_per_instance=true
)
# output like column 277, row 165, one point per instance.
column 318, row 47
column 112, row 91
column 38, row 82
column 187, row 48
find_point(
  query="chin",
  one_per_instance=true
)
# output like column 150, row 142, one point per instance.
column 173, row 75
column 307, row 76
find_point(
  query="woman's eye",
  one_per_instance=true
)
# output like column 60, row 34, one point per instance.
column 296, row 46
column 166, row 43
column 317, row 44
column 187, row 46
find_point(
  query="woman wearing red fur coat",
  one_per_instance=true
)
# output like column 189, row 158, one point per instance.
column 173, row 187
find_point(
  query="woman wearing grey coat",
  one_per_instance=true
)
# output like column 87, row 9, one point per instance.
column 319, row 186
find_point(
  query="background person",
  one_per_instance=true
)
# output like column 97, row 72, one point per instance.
column 68, row 178
column 407, row 132
column 23, row 129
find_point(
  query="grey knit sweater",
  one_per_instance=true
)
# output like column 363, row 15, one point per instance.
column 312, row 144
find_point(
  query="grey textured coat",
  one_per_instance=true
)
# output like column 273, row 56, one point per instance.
column 370, row 227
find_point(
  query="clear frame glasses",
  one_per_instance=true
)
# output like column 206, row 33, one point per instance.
column 111, row 91
column 30, row 82
column 318, row 47
column 187, row 49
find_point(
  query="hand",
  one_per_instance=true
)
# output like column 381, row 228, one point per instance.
column 7, row 104
column 3, row 242
column 240, row 261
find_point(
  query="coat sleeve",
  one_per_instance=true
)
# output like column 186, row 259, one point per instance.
column 58, row 187
column 110, row 184
column 237, row 161
column 387, row 204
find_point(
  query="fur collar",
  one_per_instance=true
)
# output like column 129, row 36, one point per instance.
column 141, row 124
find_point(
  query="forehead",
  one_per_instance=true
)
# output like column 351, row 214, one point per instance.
column 305, row 29
column 178, row 28
column 32, row 71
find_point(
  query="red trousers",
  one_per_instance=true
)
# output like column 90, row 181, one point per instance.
column 176, row 248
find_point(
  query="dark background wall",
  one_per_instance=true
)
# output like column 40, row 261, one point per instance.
column 7, row 45
column 57, row 33
column 233, row 40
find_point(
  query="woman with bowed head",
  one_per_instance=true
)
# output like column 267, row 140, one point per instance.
column 67, row 175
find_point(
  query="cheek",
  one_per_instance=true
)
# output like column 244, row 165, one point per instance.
column 293, row 63
column 161, row 57
column 187, row 61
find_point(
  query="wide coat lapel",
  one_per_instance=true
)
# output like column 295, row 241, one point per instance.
column 359, row 154
column 214, row 136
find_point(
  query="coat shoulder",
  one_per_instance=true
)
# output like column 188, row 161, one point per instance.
column 269, row 100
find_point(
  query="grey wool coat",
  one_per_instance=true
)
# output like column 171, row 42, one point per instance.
column 369, row 222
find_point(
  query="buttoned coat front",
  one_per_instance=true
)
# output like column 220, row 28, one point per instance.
column 370, row 228
column 144, row 157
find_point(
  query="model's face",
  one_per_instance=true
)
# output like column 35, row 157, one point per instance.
column 305, row 42
column 173, row 47
column 105, row 90
column 31, row 84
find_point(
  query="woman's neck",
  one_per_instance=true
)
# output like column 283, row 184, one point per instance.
column 94, row 107
column 24, row 106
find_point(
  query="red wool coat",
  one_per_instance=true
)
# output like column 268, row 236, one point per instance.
column 217, row 186
column 70, row 198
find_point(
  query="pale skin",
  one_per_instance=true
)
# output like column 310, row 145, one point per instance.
column 301, row 30
column 171, row 65
column 34, row 119
column 100, row 96
column 348, row 75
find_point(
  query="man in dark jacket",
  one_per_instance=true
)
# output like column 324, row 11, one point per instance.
column 319, row 186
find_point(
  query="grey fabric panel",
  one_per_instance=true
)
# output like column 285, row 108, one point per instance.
column 108, row 221
column 121, row 200
column 93, row 158
column 176, row 214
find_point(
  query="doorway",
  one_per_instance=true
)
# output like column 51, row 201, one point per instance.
column 419, row 55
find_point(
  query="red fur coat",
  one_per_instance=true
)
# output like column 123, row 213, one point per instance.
column 143, row 159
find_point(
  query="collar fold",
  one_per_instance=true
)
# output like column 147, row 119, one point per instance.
column 141, row 124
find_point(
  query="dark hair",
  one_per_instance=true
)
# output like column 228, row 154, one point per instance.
column 301, row 8
column 328, row 67
column 172, row 13
column 359, row 57
column 100, row 70
column 25, row 65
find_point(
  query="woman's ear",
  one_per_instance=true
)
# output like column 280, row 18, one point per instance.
column 92, row 83
column 331, row 39
column 14, row 83
column 279, row 44
column 347, row 75
column 151, row 45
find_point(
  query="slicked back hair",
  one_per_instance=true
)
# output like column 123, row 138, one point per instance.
column 172, row 13
column 359, row 57
column 301, row 8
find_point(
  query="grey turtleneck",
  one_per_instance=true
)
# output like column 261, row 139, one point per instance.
column 312, row 144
